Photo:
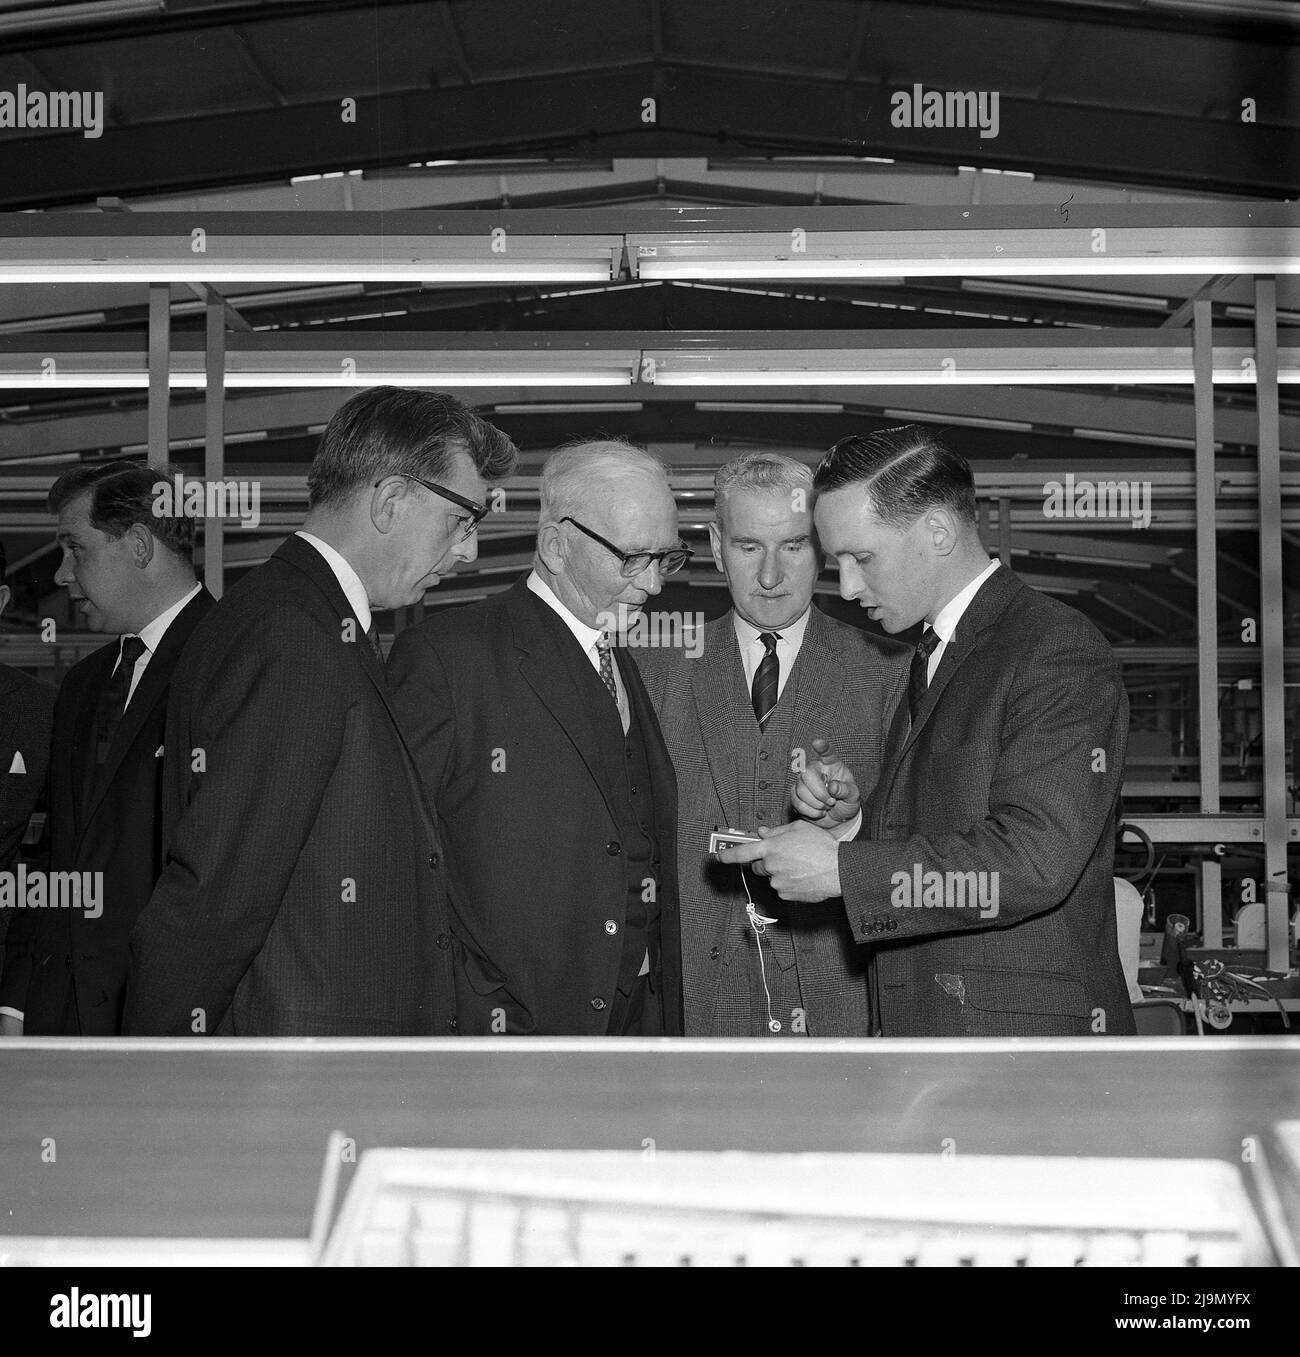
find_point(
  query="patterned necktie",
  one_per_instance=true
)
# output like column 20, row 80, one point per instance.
column 767, row 679
column 607, row 668
column 373, row 637
column 113, row 695
column 918, row 680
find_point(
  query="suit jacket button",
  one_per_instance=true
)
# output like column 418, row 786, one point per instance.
column 713, row 953
column 613, row 848
column 611, row 926
column 892, row 924
column 598, row 1003
column 433, row 860
column 452, row 1024
column 443, row 941
column 762, row 754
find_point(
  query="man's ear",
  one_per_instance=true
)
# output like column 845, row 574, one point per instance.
column 715, row 544
column 386, row 500
column 550, row 547
column 141, row 545
column 941, row 528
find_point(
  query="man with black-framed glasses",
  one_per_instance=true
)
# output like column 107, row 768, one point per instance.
column 557, row 799
column 304, row 891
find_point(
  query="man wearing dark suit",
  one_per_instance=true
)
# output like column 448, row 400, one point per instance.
column 303, row 892
column 26, row 718
column 982, row 877
column 541, row 751
column 129, row 572
column 771, row 677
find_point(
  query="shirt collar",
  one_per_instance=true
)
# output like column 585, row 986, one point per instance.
column 349, row 581
column 152, row 634
column 747, row 633
column 950, row 614
column 586, row 636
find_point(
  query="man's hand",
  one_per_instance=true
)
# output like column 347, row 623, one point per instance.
column 801, row 860
column 10, row 1027
column 826, row 792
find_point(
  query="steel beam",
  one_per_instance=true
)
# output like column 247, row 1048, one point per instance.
column 1271, row 626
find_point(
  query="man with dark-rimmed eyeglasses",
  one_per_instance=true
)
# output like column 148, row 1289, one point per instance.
column 533, row 732
column 304, row 892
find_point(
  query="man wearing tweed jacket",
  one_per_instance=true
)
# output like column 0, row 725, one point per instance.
column 737, row 723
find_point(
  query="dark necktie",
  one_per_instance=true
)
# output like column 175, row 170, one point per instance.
column 767, row 679
column 918, row 681
column 113, row 695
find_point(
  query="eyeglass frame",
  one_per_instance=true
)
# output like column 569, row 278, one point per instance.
column 627, row 556
column 478, row 512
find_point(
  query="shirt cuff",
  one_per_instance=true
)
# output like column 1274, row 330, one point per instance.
column 10, row 1013
column 848, row 830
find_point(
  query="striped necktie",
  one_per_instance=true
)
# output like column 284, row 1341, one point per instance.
column 607, row 668
column 767, row 679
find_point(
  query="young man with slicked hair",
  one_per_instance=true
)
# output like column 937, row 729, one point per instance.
column 130, row 574
column 981, row 879
column 304, row 891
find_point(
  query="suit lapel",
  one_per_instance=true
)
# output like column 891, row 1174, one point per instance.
column 151, row 690
column 305, row 558
column 722, row 707
column 81, row 757
column 551, row 662
column 817, row 684
column 990, row 601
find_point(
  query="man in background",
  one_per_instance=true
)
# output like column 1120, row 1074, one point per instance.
column 554, row 790
column 776, row 684
column 26, row 719
column 304, row 891
column 129, row 574
column 982, row 876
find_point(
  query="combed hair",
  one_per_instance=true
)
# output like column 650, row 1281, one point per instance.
column 759, row 471
column 569, row 472
column 906, row 471
column 391, row 431
column 122, row 495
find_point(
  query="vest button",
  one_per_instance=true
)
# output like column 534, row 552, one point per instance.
column 713, row 953
column 762, row 786
column 443, row 941
column 598, row 1003
column 452, row 1024
column 634, row 789
column 611, row 926
column 433, row 860
column 762, row 754
column 613, row 848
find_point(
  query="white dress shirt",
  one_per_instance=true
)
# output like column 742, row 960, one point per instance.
column 945, row 624
column 349, row 581
column 586, row 637
column 152, row 636
column 752, row 650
